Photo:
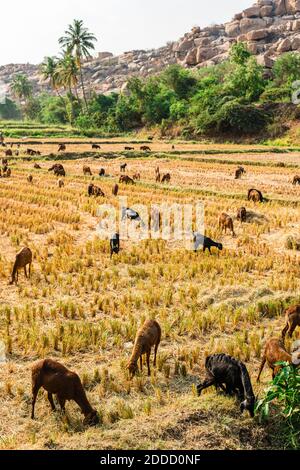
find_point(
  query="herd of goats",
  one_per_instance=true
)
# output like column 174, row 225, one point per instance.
column 223, row 371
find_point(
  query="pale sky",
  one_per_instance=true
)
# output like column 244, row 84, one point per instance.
column 30, row 29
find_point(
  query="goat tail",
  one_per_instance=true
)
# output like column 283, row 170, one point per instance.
column 261, row 367
column 248, row 391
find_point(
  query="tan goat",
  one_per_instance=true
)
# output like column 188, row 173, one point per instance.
column 148, row 335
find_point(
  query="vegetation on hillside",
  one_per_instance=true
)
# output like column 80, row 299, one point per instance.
column 232, row 98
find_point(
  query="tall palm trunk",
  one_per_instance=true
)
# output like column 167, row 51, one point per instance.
column 82, row 84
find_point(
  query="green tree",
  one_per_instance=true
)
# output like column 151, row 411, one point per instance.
column 180, row 80
column 78, row 41
column 21, row 87
column 287, row 68
column 239, row 54
column 9, row 110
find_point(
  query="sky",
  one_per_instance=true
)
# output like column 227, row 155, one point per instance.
column 30, row 29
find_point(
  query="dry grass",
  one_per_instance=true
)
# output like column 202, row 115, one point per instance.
column 84, row 309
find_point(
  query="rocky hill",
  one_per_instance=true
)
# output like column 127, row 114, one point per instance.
column 269, row 27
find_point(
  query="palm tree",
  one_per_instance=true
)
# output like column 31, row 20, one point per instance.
column 78, row 41
column 66, row 76
column 21, row 87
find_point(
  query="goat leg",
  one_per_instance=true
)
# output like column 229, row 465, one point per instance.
column 148, row 362
column 207, row 383
column 50, row 398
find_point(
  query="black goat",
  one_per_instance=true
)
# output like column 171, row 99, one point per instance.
column 114, row 244
column 205, row 242
column 232, row 377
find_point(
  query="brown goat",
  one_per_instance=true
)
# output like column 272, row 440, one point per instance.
column 145, row 148
column 274, row 352
column 30, row 179
column 226, row 222
column 95, row 191
column 296, row 180
column 115, row 190
column 255, row 195
column 239, row 172
column 23, row 258
column 136, row 176
column 62, row 148
column 292, row 316
column 147, row 336
column 8, row 153
column 166, row 178
column 61, row 183
column 87, row 170
column 36, row 166
column 242, row 214
column 56, row 379
column 126, row 179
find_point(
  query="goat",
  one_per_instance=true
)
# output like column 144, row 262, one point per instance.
column 23, row 258
column 148, row 335
column 275, row 352
column 58, row 169
column 136, row 176
column 145, row 148
column 166, row 178
column 239, row 172
column 157, row 177
column 6, row 172
column 150, row 138
column 8, row 153
column 242, row 214
column 37, row 166
column 296, row 180
column 61, row 183
column 123, row 167
column 226, row 222
column 126, row 179
column 292, row 315
column 87, row 170
column 128, row 148
column 102, row 172
column 221, row 370
column 255, row 195
column 95, row 191
column 62, row 148
column 115, row 190
column 56, row 379
column 30, row 179
column 114, row 244
column 205, row 242
column 96, row 146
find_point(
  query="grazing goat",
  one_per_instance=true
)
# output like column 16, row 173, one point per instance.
column 145, row 148
column 96, row 146
column 275, row 352
column 62, row 148
column 58, row 169
column 255, row 195
column 239, row 172
column 292, row 316
column 166, row 178
column 8, row 153
column 87, row 170
column 115, row 190
column 226, row 222
column 205, row 242
column 95, row 191
column 128, row 148
column 6, row 172
column 57, row 380
column 114, row 244
column 148, row 335
column 223, row 370
column 123, row 167
column 23, row 258
column 36, row 166
column 242, row 214
column 30, row 179
column 296, row 180
column 136, row 176
column 61, row 183
column 126, row 179
column 150, row 138
column 102, row 172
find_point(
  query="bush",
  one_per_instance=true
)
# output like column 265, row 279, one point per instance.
column 240, row 118
column 285, row 391
column 9, row 110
